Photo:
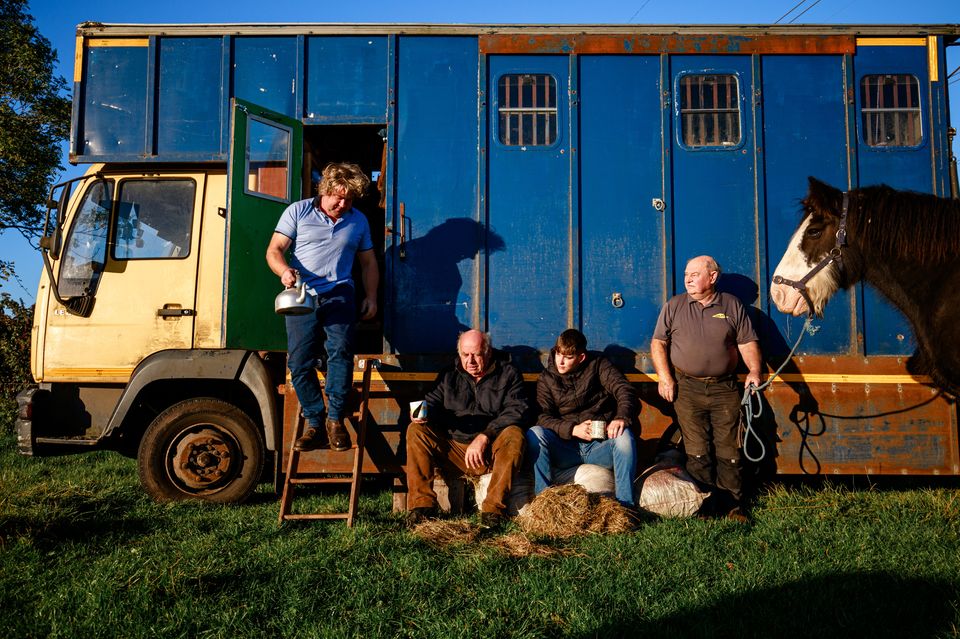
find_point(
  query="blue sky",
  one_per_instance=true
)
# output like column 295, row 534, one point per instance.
column 57, row 21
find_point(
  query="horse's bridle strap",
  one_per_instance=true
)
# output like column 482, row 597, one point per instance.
column 835, row 255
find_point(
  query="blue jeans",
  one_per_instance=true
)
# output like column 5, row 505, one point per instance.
column 334, row 318
column 547, row 451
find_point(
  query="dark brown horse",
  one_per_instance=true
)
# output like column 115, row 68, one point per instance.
column 906, row 244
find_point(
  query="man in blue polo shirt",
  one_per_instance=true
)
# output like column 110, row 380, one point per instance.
column 699, row 338
column 323, row 235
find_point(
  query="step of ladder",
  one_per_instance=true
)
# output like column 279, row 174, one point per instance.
column 294, row 478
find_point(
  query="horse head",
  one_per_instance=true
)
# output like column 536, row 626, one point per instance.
column 812, row 242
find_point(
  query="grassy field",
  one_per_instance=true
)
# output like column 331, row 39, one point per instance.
column 84, row 553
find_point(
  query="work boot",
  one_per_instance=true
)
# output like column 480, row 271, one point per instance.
column 337, row 434
column 738, row 515
column 492, row 521
column 417, row 516
column 310, row 440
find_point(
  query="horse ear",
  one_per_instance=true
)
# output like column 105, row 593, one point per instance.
column 824, row 196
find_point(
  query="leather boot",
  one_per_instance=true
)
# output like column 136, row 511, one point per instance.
column 311, row 439
column 337, row 434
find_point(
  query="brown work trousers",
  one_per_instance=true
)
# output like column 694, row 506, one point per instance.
column 429, row 449
column 709, row 414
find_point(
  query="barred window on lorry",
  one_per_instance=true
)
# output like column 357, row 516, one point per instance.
column 709, row 110
column 86, row 250
column 527, row 106
column 890, row 110
column 154, row 219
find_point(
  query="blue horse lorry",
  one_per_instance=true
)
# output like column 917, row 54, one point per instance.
column 529, row 179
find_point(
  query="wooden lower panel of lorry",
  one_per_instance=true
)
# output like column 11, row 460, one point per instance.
column 825, row 415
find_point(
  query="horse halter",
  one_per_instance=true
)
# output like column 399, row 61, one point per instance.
column 833, row 256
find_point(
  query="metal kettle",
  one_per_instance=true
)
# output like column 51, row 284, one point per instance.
column 295, row 300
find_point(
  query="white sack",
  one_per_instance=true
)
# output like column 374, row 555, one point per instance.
column 667, row 490
column 595, row 479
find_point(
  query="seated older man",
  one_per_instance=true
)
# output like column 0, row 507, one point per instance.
column 473, row 426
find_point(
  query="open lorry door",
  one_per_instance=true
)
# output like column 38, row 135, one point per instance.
column 266, row 155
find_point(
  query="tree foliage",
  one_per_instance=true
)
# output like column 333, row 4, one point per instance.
column 34, row 120
column 15, row 324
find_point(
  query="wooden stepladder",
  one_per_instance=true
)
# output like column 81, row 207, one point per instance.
column 294, row 477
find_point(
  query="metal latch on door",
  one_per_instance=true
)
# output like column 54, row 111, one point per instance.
column 174, row 310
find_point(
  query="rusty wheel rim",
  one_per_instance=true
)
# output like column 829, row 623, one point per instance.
column 203, row 459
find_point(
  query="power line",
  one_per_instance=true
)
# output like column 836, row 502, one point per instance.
column 792, row 20
column 642, row 7
column 792, row 9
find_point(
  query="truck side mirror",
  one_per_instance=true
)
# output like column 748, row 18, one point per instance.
column 51, row 244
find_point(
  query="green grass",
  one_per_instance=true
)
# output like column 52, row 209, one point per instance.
column 84, row 553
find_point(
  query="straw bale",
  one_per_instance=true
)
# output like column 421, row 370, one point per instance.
column 519, row 545
column 609, row 517
column 444, row 532
column 565, row 511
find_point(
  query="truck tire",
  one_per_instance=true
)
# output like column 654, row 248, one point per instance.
column 201, row 448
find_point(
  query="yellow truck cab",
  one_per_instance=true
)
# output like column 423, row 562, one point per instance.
column 129, row 320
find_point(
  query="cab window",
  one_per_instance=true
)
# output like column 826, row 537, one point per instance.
column 86, row 248
column 154, row 219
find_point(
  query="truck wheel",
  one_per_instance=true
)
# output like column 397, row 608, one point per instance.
column 201, row 448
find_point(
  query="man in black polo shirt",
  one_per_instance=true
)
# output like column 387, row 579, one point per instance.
column 700, row 335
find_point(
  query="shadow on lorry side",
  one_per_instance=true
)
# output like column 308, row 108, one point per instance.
column 429, row 296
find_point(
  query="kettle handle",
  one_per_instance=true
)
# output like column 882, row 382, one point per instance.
column 299, row 284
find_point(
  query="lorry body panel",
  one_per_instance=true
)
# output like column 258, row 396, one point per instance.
column 623, row 282
column 798, row 91
column 437, row 243
column 531, row 178
column 902, row 165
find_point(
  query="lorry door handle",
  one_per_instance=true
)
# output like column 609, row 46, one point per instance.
column 170, row 310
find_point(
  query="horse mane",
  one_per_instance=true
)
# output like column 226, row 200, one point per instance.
column 903, row 225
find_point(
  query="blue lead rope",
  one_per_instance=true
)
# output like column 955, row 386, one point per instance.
column 747, row 402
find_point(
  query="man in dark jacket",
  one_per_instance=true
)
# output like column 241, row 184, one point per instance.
column 474, row 415
column 576, row 389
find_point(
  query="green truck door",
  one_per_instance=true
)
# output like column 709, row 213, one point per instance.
column 266, row 154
